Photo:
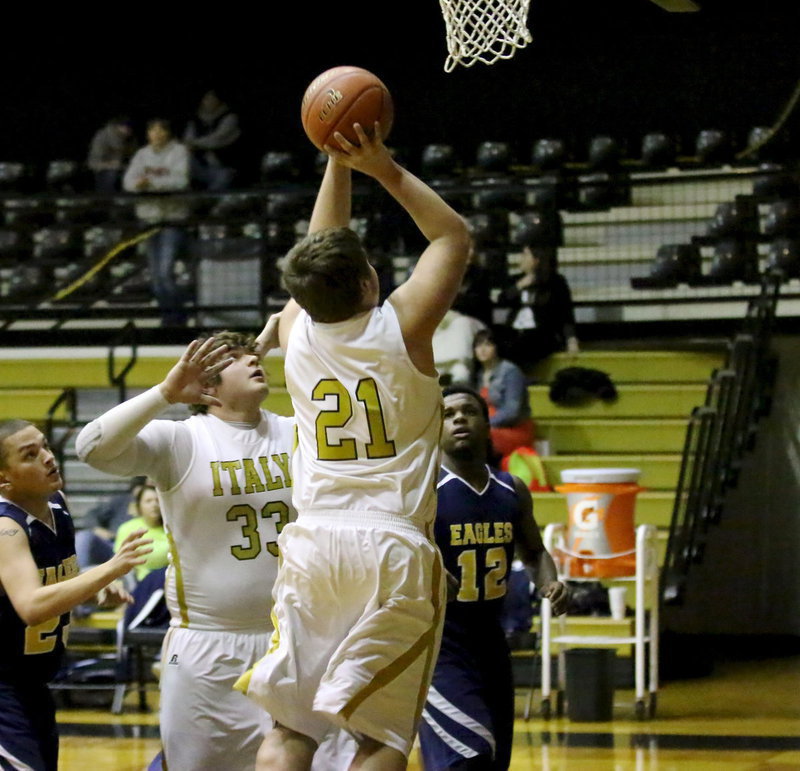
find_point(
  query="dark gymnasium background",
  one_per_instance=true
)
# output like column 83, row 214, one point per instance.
column 622, row 67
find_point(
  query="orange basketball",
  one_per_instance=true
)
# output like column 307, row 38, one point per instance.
column 340, row 97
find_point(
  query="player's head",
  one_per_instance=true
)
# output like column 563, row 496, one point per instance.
column 465, row 431
column 329, row 276
column 28, row 468
column 244, row 378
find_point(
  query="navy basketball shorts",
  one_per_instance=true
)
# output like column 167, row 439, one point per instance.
column 469, row 713
column 28, row 733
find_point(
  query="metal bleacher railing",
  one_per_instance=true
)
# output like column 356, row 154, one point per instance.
column 719, row 435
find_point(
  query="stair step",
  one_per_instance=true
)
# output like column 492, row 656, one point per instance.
column 31, row 404
column 596, row 435
column 637, row 366
column 634, row 400
column 91, row 371
column 80, row 476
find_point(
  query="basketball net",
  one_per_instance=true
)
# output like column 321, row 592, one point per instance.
column 484, row 30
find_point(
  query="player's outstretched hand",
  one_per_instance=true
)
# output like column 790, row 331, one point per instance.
column 370, row 156
column 113, row 595
column 132, row 551
column 558, row 594
column 268, row 337
column 200, row 362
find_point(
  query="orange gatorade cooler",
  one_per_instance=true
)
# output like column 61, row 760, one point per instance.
column 601, row 536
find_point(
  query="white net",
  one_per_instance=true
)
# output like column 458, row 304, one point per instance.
column 484, row 30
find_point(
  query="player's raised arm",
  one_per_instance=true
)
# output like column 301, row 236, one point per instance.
column 332, row 209
column 427, row 295
column 333, row 206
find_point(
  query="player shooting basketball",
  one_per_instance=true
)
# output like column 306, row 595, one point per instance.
column 359, row 596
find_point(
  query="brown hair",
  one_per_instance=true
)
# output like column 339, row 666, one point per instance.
column 238, row 343
column 9, row 428
column 324, row 273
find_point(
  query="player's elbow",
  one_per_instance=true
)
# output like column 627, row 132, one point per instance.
column 31, row 612
column 462, row 236
column 84, row 445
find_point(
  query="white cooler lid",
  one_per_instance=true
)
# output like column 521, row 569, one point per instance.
column 599, row 476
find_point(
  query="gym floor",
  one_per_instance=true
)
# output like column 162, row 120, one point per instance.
column 745, row 715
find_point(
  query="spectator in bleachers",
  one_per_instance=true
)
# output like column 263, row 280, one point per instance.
column 541, row 316
column 94, row 542
column 473, row 298
column 214, row 138
column 148, row 516
column 452, row 347
column 111, row 148
column 504, row 386
column 162, row 166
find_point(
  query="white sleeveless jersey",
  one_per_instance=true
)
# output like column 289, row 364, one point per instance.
column 223, row 519
column 368, row 420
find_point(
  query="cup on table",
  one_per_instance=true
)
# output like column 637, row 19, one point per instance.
column 616, row 599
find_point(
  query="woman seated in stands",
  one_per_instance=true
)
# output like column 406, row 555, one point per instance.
column 148, row 515
column 541, row 316
column 504, row 386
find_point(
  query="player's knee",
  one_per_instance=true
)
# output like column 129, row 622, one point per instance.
column 284, row 748
column 373, row 754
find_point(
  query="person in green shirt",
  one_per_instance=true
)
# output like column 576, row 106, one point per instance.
column 148, row 516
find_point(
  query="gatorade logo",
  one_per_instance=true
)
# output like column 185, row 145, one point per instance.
column 587, row 515
column 173, row 662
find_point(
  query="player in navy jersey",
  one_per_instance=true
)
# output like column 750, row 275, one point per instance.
column 39, row 585
column 483, row 518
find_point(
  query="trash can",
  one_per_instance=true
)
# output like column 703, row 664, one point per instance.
column 590, row 684
column 601, row 536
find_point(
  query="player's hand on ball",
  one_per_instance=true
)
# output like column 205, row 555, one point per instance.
column 370, row 156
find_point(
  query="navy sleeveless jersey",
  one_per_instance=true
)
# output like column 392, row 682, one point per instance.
column 35, row 652
column 475, row 533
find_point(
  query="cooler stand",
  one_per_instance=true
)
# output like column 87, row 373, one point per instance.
column 645, row 626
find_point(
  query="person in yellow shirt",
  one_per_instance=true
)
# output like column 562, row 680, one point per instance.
column 148, row 516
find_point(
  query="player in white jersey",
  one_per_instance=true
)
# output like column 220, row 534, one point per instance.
column 359, row 593
column 224, row 481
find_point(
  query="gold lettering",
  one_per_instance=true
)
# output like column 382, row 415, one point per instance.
column 72, row 566
column 283, row 464
column 455, row 535
column 499, row 530
column 469, row 534
column 252, row 482
column 55, row 574
column 509, row 532
column 217, row 489
column 272, row 482
column 231, row 466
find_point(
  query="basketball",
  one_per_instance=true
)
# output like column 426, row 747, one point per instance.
column 340, row 97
